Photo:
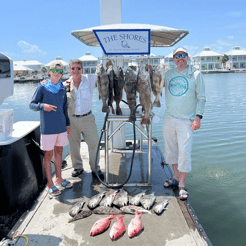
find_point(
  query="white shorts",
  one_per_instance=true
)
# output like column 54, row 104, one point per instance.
column 178, row 142
column 49, row 141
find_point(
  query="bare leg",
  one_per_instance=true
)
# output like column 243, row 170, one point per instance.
column 182, row 183
column 47, row 167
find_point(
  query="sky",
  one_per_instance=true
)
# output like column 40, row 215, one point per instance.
column 41, row 30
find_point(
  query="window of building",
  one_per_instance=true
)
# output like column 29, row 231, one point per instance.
column 93, row 71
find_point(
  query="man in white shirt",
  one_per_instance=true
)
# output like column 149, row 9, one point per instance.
column 79, row 95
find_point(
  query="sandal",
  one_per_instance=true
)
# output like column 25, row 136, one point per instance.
column 65, row 184
column 171, row 183
column 182, row 193
column 53, row 189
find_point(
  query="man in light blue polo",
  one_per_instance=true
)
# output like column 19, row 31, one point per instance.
column 185, row 100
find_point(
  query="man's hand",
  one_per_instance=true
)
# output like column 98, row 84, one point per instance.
column 68, row 130
column 48, row 107
column 43, row 81
column 196, row 124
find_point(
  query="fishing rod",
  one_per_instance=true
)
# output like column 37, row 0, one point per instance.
column 133, row 153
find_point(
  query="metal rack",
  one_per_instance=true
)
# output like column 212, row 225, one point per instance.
column 108, row 137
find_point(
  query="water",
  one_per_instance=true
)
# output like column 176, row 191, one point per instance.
column 216, row 183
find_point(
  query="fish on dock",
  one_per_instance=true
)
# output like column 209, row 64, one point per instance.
column 119, row 82
column 95, row 200
column 103, row 86
column 121, row 198
column 136, row 199
column 130, row 88
column 101, row 225
column 148, row 200
column 160, row 206
column 136, row 225
column 108, row 199
column 77, row 207
column 81, row 215
column 144, row 90
column 118, row 228
column 158, row 84
column 131, row 209
column 107, row 210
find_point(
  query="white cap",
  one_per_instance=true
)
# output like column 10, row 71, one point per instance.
column 180, row 49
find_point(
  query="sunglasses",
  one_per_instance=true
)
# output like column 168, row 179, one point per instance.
column 59, row 71
column 180, row 55
column 74, row 68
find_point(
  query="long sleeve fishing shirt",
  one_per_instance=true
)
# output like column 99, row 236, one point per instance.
column 184, row 93
column 53, row 122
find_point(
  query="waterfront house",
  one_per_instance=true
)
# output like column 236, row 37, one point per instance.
column 207, row 60
column 35, row 66
column 168, row 62
column 64, row 63
column 20, row 70
column 237, row 59
column 89, row 63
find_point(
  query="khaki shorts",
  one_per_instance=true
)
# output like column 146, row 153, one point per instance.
column 49, row 141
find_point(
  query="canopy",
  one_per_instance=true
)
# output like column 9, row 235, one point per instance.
column 161, row 36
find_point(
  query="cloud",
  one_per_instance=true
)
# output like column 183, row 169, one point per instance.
column 230, row 37
column 222, row 46
column 30, row 49
column 235, row 13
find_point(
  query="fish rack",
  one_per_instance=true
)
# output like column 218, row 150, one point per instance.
column 109, row 137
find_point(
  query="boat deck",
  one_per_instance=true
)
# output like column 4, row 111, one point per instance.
column 47, row 222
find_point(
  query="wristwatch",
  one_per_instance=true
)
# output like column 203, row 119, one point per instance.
column 200, row 116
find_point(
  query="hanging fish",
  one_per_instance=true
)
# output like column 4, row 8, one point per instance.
column 118, row 228
column 144, row 90
column 103, row 86
column 101, row 225
column 130, row 89
column 118, row 88
column 158, row 84
column 110, row 73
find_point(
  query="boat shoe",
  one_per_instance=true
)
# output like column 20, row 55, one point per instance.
column 53, row 189
column 65, row 184
column 183, row 193
column 171, row 183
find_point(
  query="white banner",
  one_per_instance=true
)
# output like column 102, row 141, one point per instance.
column 123, row 42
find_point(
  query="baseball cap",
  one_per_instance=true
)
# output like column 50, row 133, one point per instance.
column 180, row 49
column 56, row 63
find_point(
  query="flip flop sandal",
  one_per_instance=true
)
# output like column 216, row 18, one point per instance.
column 53, row 189
column 171, row 183
column 182, row 193
column 65, row 184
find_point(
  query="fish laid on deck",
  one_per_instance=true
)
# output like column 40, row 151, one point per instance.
column 160, row 206
column 118, row 88
column 103, row 86
column 118, row 228
column 136, row 225
column 136, row 199
column 131, row 209
column 121, row 198
column 81, row 215
column 130, row 89
column 77, row 207
column 158, row 83
column 148, row 200
column 108, row 199
column 101, row 225
column 95, row 200
column 107, row 210
column 144, row 90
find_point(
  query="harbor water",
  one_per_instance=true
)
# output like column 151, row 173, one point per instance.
column 216, row 184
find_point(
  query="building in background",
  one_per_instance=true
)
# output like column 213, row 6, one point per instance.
column 168, row 62
column 237, row 59
column 207, row 60
column 20, row 70
column 89, row 63
column 35, row 66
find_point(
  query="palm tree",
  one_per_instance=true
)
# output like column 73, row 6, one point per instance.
column 224, row 59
